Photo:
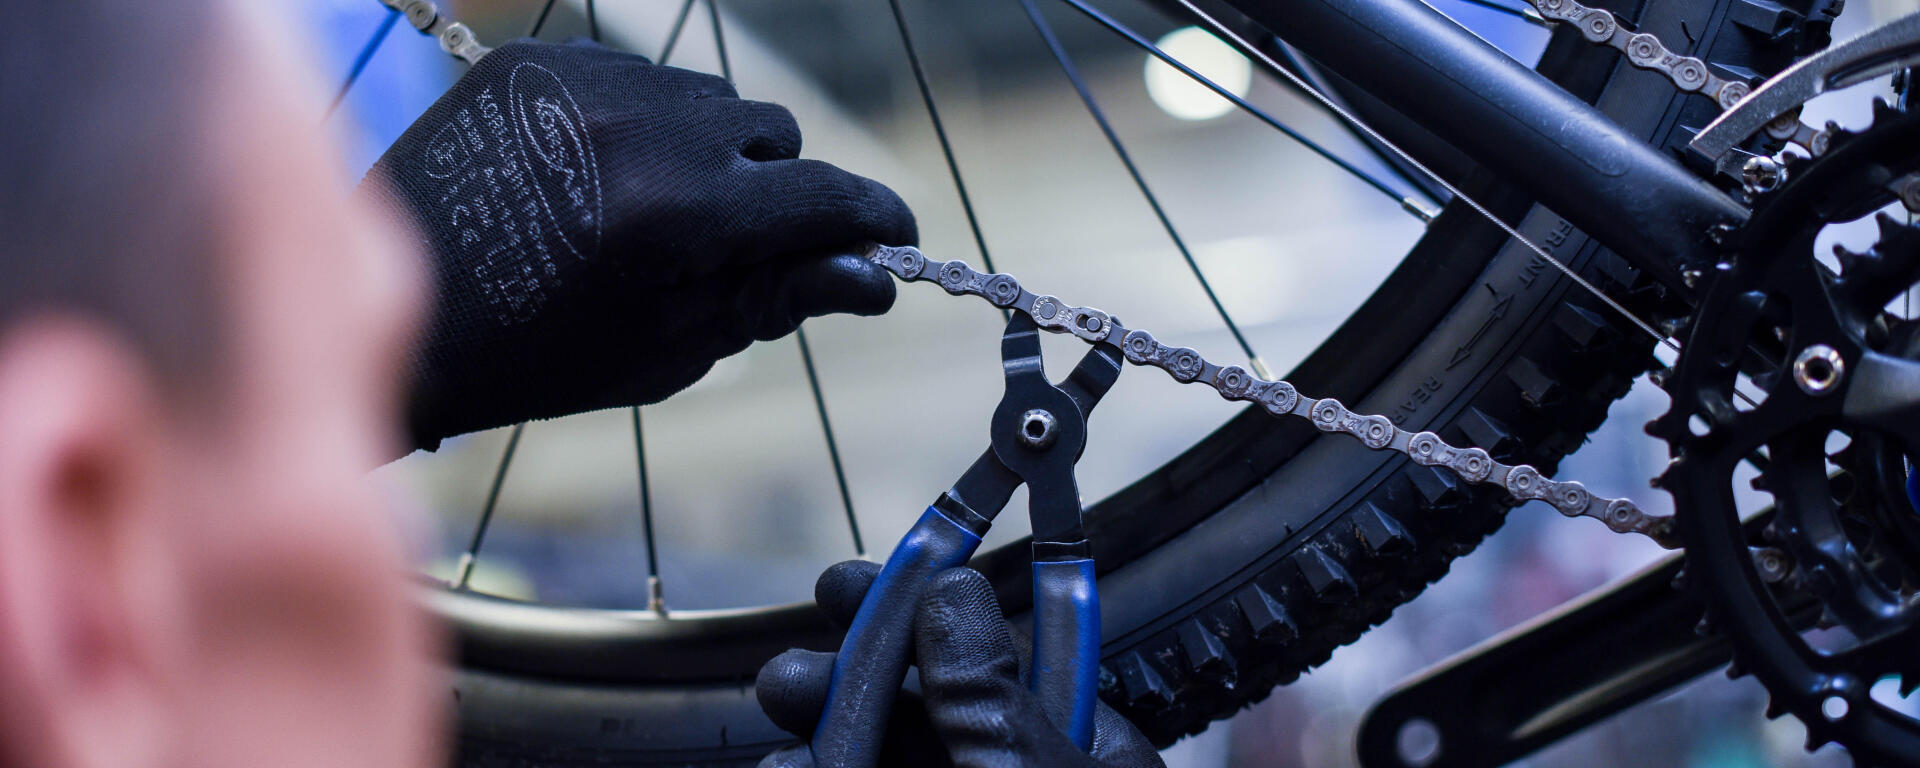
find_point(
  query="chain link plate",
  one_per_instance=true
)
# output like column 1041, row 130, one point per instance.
column 1276, row 397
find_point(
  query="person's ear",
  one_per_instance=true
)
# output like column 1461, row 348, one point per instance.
column 85, row 591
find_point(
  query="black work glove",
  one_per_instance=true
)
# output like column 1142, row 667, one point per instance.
column 972, row 710
column 603, row 229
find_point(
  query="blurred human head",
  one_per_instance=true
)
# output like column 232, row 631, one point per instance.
column 201, row 338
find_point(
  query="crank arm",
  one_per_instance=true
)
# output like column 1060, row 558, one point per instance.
column 1542, row 681
column 1531, row 686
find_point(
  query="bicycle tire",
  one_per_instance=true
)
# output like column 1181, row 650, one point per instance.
column 1355, row 534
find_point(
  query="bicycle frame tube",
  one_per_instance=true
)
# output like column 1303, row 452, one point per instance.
column 1529, row 132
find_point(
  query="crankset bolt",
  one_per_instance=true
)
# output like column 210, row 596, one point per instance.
column 1038, row 429
column 1819, row 369
column 1834, row 707
column 1762, row 174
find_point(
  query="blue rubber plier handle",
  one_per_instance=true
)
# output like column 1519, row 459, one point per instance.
column 1038, row 432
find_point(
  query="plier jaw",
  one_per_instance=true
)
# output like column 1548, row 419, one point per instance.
column 1038, row 432
column 1014, row 456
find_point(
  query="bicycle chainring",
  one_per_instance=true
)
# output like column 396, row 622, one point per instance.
column 1815, row 342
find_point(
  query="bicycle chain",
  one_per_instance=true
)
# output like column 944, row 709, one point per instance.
column 455, row 38
column 1690, row 74
column 1522, row 482
column 1644, row 50
column 1277, row 397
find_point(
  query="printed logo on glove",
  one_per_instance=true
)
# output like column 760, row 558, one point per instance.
column 603, row 229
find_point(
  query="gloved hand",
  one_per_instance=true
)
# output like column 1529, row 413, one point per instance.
column 972, row 711
column 603, row 229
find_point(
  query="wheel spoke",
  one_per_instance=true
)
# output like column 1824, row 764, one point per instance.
column 1407, row 202
column 540, row 20
column 719, row 39
column 656, row 594
column 1228, row 35
column 806, row 351
column 833, row 448
column 679, row 23
column 464, row 571
column 360, row 61
column 940, row 132
column 1119, row 149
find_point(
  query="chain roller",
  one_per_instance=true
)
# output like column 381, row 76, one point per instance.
column 455, row 38
column 1789, row 127
column 1644, row 50
column 1277, row 397
column 1687, row 73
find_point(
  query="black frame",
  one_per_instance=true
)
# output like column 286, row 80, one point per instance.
column 1563, row 152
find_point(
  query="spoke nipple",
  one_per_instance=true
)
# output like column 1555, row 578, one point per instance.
column 463, row 571
column 656, row 596
column 1420, row 209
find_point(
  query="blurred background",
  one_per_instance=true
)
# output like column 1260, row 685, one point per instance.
column 745, row 506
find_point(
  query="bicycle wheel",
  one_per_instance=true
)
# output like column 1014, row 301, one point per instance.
column 1249, row 557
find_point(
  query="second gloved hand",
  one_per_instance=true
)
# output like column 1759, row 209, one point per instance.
column 602, row 229
column 972, row 711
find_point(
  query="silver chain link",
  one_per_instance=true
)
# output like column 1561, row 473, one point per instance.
column 1687, row 73
column 1645, row 51
column 1186, row 365
column 454, row 37
column 1277, row 397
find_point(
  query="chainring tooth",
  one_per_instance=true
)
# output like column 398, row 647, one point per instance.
column 1829, row 690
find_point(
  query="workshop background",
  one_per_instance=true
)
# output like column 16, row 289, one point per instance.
column 746, row 508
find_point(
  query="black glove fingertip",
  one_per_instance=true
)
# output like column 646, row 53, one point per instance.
column 793, row 756
column 886, row 215
column 843, row 283
column 842, row 587
column 792, row 689
column 960, row 633
column 770, row 131
column 774, row 299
